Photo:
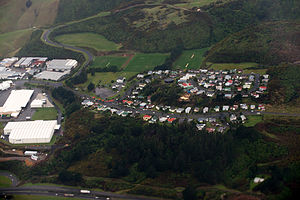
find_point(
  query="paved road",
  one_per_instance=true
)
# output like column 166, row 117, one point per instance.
column 46, row 39
column 60, row 191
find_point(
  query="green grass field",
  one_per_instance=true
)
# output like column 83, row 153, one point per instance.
column 143, row 62
column 252, row 120
column 243, row 66
column 13, row 41
column 105, row 61
column 5, row 181
column 106, row 77
column 45, row 114
column 190, row 58
column 91, row 40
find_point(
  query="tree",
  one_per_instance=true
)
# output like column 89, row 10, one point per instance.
column 91, row 86
column 189, row 193
column 71, row 178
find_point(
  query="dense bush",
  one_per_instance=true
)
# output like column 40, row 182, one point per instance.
column 35, row 47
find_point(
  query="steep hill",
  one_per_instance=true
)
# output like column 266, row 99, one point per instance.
column 17, row 14
column 268, row 43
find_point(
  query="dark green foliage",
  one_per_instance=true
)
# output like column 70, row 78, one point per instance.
column 69, row 10
column 78, row 79
column 267, row 43
column 175, row 53
column 161, row 93
column 111, row 68
column 70, row 178
column 189, row 193
column 155, row 148
column 285, row 83
column 67, row 98
column 91, row 86
column 35, row 47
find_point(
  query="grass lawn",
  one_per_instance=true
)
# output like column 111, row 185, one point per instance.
column 5, row 181
column 252, row 120
column 105, row 61
column 36, row 197
column 91, row 40
column 243, row 66
column 13, row 41
column 191, row 57
column 106, row 77
column 143, row 62
column 45, row 114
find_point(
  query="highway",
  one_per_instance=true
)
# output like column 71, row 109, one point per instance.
column 72, row 192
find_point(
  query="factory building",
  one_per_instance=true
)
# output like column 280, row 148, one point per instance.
column 50, row 75
column 6, row 73
column 28, row 61
column 30, row 131
column 17, row 100
column 61, row 65
column 7, row 62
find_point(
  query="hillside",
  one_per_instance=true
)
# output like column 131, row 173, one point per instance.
column 267, row 43
column 16, row 14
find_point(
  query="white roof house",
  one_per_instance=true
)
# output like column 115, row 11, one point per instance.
column 61, row 64
column 17, row 100
column 30, row 131
column 5, row 85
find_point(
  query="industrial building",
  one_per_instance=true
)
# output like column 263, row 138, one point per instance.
column 17, row 100
column 7, row 62
column 28, row 61
column 30, row 131
column 6, row 73
column 49, row 75
column 5, row 85
column 61, row 65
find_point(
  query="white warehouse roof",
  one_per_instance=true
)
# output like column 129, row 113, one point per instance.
column 17, row 100
column 61, row 64
column 30, row 131
column 49, row 75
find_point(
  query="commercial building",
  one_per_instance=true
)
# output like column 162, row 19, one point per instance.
column 5, row 85
column 17, row 100
column 61, row 65
column 28, row 61
column 6, row 73
column 7, row 62
column 48, row 75
column 30, row 131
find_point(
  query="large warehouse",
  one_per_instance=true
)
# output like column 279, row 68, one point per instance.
column 30, row 131
column 17, row 100
column 61, row 65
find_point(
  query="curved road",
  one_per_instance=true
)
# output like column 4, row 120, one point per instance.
column 12, row 177
column 90, row 57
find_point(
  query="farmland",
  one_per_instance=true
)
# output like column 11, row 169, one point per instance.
column 105, row 61
column 190, row 58
column 12, row 41
column 143, row 62
column 91, row 40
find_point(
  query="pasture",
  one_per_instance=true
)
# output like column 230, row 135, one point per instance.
column 105, row 61
column 190, row 59
column 90, row 40
column 144, row 62
column 45, row 114
column 11, row 42
column 246, row 67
